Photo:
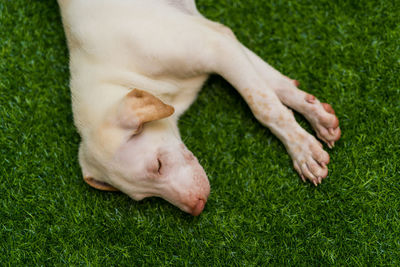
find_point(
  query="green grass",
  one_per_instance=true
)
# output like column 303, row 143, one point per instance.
column 345, row 52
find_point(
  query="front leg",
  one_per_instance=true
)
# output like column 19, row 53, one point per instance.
column 309, row 159
column 231, row 62
column 320, row 115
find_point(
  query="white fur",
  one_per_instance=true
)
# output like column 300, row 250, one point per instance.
column 165, row 47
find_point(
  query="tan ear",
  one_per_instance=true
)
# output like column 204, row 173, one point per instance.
column 98, row 184
column 139, row 107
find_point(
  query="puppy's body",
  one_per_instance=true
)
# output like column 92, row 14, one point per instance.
column 134, row 44
column 167, row 49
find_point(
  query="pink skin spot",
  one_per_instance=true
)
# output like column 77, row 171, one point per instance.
column 310, row 98
column 295, row 82
column 328, row 108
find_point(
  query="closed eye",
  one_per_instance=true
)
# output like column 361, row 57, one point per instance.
column 159, row 166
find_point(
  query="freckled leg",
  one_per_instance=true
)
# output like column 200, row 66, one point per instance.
column 309, row 159
column 320, row 115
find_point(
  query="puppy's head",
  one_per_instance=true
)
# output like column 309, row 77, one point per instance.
column 137, row 150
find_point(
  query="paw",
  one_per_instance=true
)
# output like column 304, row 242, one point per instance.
column 310, row 160
column 323, row 119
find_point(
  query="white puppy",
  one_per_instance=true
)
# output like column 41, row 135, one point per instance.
column 137, row 65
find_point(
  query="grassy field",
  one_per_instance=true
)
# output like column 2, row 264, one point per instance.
column 345, row 52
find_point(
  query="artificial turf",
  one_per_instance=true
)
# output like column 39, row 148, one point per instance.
column 345, row 52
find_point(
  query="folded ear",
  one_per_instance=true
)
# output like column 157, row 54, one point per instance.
column 139, row 107
column 99, row 184
column 89, row 172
